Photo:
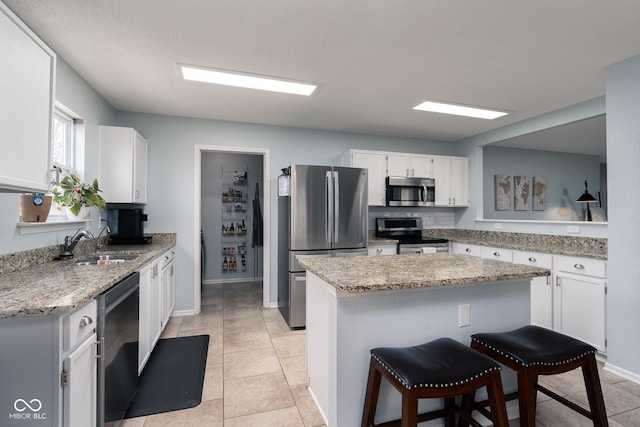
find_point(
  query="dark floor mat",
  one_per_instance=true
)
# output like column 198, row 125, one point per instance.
column 172, row 378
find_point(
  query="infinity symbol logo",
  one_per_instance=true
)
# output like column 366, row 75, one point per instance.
column 21, row 405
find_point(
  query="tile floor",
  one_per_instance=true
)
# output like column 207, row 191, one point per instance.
column 256, row 374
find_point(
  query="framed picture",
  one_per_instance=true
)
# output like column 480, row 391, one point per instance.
column 521, row 193
column 503, row 192
column 539, row 193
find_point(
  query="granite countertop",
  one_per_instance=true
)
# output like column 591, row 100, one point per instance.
column 394, row 272
column 58, row 287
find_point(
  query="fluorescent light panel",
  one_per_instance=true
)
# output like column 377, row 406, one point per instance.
column 229, row 78
column 459, row 110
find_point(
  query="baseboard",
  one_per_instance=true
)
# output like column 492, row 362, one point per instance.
column 233, row 280
column 628, row 375
column 177, row 313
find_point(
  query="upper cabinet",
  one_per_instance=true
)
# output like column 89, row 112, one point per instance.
column 27, row 81
column 451, row 173
column 375, row 162
column 452, row 180
column 406, row 164
column 123, row 165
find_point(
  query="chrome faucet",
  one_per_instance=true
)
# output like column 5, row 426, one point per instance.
column 70, row 242
column 104, row 229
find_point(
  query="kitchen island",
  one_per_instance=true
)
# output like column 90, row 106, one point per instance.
column 358, row 303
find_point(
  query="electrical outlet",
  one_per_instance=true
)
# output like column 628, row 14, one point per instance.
column 464, row 315
column 573, row 229
column 497, row 225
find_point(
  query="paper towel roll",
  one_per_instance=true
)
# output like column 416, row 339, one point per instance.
column 429, row 250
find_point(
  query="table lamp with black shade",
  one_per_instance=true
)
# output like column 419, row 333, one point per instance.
column 586, row 198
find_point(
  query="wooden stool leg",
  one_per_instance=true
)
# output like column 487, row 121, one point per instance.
column 594, row 392
column 409, row 409
column 496, row 401
column 527, row 397
column 466, row 407
column 450, row 407
column 371, row 396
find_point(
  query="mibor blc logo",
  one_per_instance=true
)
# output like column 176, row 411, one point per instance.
column 27, row 410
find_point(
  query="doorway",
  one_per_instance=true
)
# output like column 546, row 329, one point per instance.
column 231, row 194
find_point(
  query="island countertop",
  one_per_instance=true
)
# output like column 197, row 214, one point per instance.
column 393, row 272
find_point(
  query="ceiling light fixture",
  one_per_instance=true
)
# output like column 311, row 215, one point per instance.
column 231, row 78
column 459, row 110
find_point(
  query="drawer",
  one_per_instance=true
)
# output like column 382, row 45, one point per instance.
column 534, row 259
column 78, row 325
column 464, row 249
column 497, row 254
column 584, row 266
column 374, row 250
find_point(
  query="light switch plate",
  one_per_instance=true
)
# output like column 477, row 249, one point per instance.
column 464, row 315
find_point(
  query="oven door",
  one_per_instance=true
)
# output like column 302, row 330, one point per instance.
column 422, row 248
column 410, row 191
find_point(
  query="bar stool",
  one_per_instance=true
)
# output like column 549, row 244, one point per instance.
column 442, row 369
column 532, row 351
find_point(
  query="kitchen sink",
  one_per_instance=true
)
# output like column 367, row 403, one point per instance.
column 107, row 259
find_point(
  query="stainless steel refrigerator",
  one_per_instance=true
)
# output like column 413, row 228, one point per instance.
column 322, row 214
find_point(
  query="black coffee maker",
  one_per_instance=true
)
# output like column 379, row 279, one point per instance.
column 126, row 225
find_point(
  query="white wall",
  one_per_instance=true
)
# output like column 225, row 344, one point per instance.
column 623, row 157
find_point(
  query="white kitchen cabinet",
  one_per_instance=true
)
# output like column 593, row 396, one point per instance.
column 407, row 164
column 466, row 249
column 375, row 162
column 452, row 180
column 123, row 165
column 150, row 310
column 168, row 286
column 541, row 287
column 497, row 254
column 382, row 249
column 580, row 299
column 27, row 85
column 80, row 369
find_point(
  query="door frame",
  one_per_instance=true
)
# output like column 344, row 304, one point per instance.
column 266, row 213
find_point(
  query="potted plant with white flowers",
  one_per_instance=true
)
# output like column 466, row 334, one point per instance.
column 77, row 197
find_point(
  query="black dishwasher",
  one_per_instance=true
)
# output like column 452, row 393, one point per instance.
column 118, row 333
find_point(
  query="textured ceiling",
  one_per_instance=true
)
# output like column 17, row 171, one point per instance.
column 373, row 60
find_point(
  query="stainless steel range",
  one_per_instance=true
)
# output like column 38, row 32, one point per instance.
column 408, row 232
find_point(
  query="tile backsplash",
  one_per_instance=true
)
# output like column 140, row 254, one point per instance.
column 430, row 218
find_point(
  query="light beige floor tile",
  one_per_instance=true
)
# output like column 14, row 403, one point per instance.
column 243, row 325
column 287, row 417
column 630, row 418
column 134, row 422
column 307, row 407
column 242, row 312
column 290, row 345
column 295, row 369
column 279, row 327
column 628, row 386
column 195, row 331
column 250, row 363
column 246, row 341
column 213, row 387
column 250, row 395
column 208, row 413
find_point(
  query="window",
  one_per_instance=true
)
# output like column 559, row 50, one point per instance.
column 63, row 141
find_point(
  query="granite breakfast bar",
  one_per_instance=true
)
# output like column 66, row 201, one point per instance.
column 358, row 303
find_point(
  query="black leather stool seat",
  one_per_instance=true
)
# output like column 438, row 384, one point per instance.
column 440, row 369
column 440, row 363
column 532, row 345
column 532, row 351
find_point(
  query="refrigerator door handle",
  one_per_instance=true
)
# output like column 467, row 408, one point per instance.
column 329, row 205
column 336, row 211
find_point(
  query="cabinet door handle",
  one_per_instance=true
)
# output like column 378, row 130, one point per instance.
column 532, row 259
column 413, row 173
column 468, row 250
column 379, row 251
column 85, row 321
column 557, row 282
column 579, row 266
column 496, row 253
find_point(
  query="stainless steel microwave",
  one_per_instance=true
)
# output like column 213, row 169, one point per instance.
column 402, row 191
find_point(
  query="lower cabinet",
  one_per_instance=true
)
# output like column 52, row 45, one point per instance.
column 382, row 249
column 572, row 300
column 49, row 370
column 580, row 299
column 156, row 302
